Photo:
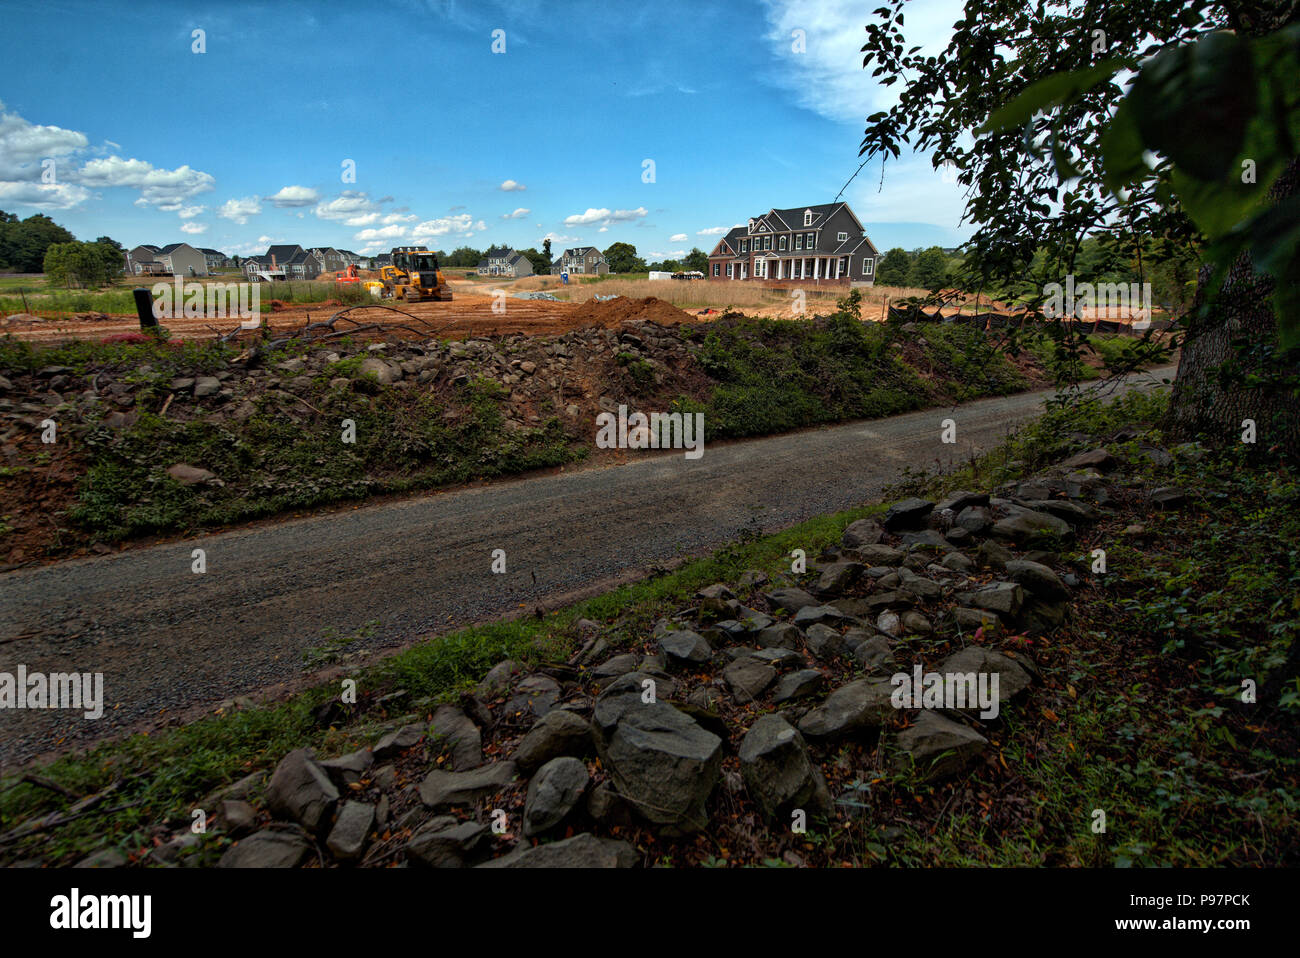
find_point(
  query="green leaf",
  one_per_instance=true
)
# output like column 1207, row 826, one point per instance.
column 1193, row 103
column 1054, row 90
column 1121, row 150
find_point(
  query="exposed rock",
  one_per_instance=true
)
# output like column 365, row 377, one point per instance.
column 851, row 708
column 748, row 678
column 300, row 790
column 269, row 848
column 188, row 475
column 685, row 647
column 1012, row 679
column 958, row 501
column 777, row 771
column 875, row 655
column 812, row 614
column 907, row 514
column 206, row 386
column 914, row 623
column 498, row 678
column 864, row 532
column 347, row 769
column 1026, row 525
column 1092, row 459
column 398, row 740
column 1168, row 497
column 937, row 747
column 441, row 789
column 103, row 858
column 452, row 729
column 534, row 697
column 798, row 684
column 558, row 732
column 1004, row 598
column 580, row 851
column 349, row 835
column 1037, row 579
column 838, row 577
column 238, row 818
column 879, row 555
column 780, row 636
column 443, row 842
column 824, row 642
column 792, row 600
column 553, row 794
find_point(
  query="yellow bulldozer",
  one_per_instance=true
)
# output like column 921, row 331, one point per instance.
column 413, row 276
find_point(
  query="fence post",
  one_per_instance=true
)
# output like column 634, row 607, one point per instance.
column 144, row 307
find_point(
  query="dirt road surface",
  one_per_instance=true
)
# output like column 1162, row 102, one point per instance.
column 170, row 642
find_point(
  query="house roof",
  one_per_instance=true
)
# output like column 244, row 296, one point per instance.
column 171, row 248
column 497, row 252
column 580, row 251
column 300, row 257
column 149, row 246
column 211, row 252
column 283, row 252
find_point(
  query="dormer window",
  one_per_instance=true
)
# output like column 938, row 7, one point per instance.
column 807, row 217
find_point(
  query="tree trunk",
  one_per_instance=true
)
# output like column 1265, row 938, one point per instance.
column 1231, row 368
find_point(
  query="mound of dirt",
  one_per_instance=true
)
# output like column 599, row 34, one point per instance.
column 611, row 313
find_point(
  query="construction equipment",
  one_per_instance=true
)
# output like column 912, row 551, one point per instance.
column 414, row 276
column 350, row 275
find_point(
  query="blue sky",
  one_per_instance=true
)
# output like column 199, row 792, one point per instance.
column 245, row 144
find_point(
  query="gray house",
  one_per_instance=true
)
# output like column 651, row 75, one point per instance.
column 305, row 264
column 182, row 259
column 502, row 261
column 581, row 259
column 142, row 261
column 330, row 259
column 824, row 244
column 215, row 258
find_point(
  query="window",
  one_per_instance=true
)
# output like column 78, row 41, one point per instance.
column 744, row 246
column 841, row 237
column 767, row 242
column 798, row 241
column 782, row 243
column 868, row 266
column 811, row 241
column 716, row 267
column 729, row 267
column 807, row 217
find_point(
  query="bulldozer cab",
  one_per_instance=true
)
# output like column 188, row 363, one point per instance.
column 415, row 261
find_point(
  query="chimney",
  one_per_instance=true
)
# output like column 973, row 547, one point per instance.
column 273, row 266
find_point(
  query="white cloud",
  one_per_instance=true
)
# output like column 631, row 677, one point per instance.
column 603, row 229
column 677, row 238
column 23, row 145
column 517, row 214
column 828, row 78
column 350, row 206
column 605, row 217
column 294, row 196
column 711, row 231
column 240, row 210
column 510, row 186
column 557, row 238
column 462, row 224
column 385, row 232
column 43, row 196
column 189, row 212
column 194, row 228
column 660, row 255
column 163, row 189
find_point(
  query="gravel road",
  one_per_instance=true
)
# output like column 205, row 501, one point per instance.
column 169, row 641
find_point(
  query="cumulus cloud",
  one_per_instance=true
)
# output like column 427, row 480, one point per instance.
column 23, row 145
column 384, row 232
column 711, row 231
column 160, row 188
column 194, row 228
column 43, row 196
column 557, row 238
column 294, row 196
column 189, row 212
column 240, row 210
column 605, row 217
column 510, row 186
column 348, row 206
column 462, row 224
column 677, row 238
column 517, row 214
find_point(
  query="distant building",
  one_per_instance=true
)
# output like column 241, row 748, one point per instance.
column 215, row 259
column 581, row 259
column 823, row 244
column 142, row 261
column 182, row 259
column 330, row 259
column 503, row 261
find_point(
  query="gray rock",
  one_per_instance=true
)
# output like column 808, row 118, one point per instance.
column 1037, row 579
column 875, row 655
column 914, row 623
column 879, row 555
column 206, row 386
column 780, row 636
column 957, row 562
column 301, row 790
column 534, row 696
column 907, row 514
column 813, row 614
column 1026, row 525
column 553, row 794
column 558, row 732
column 994, row 555
column 957, row 501
column 937, row 747
column 1092, row 459
column 452, row 730
column 1012, row 678
column 383, row 372
column 748, row 678
column 1168, row 497
column 968, row 620
column 838, row 577
column 398, row 740
column 607, row 806
column 685, row 647
column 824, row 642
column 103, row 858
column 777, row 657
column 659, row 758
column 498, row 679
column 580, row 851
column 441, row 789
column 792, row 600
column 238, row 818
column 864, row 532
column 351, row 831
column 1004, row 598
column 797, row 685
column 778, row 773
column 188, row 475
column 859, row 705
column 445, row 843
column 269, row 848
column 347, row 769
